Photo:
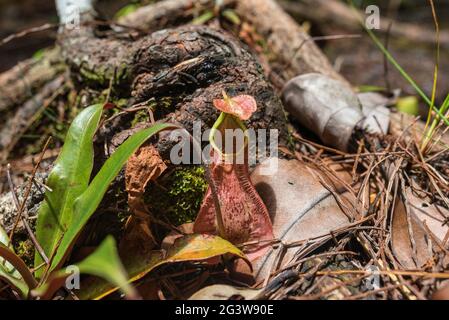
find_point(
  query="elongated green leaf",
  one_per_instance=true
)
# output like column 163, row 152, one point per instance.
column 136, row 263
column 194, row 247
column 205, row 17
column 68, row 179
column 11, row 264
column 86, row 204
column 103, row 263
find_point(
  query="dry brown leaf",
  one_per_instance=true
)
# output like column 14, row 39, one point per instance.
column 442, row 293
column 143, row 166
column 408, row 238
column 330, row 109
column 432, row 215
column 299, row 205
column 224, row 292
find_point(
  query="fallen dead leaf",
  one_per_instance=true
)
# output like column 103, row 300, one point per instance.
column 331, row 109
column 412, row 243
column 409, row 240
column 300, row 208
column 225, row 292
column 442, row 293
column 432, row 215
column 143, row 166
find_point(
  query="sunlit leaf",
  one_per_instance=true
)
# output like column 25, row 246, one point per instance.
column 68, row 180
column 86, row 204
column 205, row 17
column 126, row 10
column 408, row 105
column 195, row 247
column 225, row 292
column 104, row 263
column 232, row 16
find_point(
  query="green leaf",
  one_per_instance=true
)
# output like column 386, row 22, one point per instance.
column 370, row 88
column 130, row 8
column 10, row 264
column 68, row 180
column 137, row 264
column 232, row 16
column 104, row 263
column 193, row 247
column 408, row 105
column 86, row 204
column 205, row 17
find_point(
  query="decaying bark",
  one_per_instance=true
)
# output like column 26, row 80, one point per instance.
column 293, row 50
column 189, row 65
column 264, row 14
column 23, row 92
column 21, row 82
column 30, row 110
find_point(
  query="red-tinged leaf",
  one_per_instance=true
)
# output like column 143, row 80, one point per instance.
column 109, row 106
column 242, row 106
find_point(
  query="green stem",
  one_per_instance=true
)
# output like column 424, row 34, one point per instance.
column 429, row 133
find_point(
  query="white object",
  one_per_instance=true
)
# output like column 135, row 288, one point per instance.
column 70, row 11
column 330, row 109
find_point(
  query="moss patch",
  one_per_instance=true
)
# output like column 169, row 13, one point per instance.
column 24, row 248
column 178, row 195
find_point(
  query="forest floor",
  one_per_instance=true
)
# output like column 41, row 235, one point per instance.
column 365, row 221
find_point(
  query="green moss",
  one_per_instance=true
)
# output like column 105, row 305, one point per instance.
column 39, row 54
column 96, row 77
column 178, row 196
column 24, row 248
column 140, row 116
column 103, row 76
